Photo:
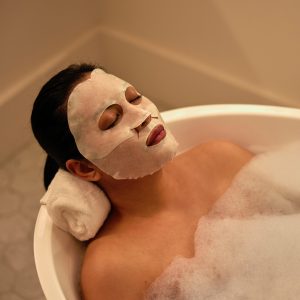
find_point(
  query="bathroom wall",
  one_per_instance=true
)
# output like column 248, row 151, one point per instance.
column 178, row 53
column 211, row 51
column 33, row 31
column 37, row 39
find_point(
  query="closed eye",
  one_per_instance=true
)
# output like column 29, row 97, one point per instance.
column 132, row 95
column 137, row 100
column 110, row 117
column 114, row 121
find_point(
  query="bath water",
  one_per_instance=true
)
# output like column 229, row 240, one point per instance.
column 248, row 246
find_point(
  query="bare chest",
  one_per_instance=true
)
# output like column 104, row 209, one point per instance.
column 152, row 246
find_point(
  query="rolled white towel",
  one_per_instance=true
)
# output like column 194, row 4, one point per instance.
column 75, row 205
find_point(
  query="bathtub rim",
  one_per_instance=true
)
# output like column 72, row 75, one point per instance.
column 230, row 109
column 44, row 232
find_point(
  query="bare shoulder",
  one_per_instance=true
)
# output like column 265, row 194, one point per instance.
column 221, row 159
column 107, row 274
column 222, row 149
column 221, row 145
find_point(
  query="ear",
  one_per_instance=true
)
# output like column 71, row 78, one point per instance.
column 83, row 169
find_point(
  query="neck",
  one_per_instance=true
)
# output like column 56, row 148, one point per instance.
column 144, row 196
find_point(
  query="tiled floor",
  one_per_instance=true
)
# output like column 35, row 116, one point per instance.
column 20, row 190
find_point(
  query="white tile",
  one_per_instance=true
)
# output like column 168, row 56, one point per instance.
column 7, row 277
column 30, row 209
column 14, row 228
column 2, row 248
column 27, row 284
column 5, row 176
column 21, row 187
column 10, row 201
column 19, row 255
column 42, row 297
column 10, row 296
column 28, row 182
column 31, row 157
column 27, row 171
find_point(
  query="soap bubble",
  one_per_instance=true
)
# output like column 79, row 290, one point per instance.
column 248, row 246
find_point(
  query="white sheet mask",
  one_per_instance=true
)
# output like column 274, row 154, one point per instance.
column 120, row 151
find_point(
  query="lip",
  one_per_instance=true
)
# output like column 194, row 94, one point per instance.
column 156, row 135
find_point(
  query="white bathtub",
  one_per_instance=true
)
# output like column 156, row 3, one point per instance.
column 258, row 128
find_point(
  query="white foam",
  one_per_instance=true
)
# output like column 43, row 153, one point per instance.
column 248, row 247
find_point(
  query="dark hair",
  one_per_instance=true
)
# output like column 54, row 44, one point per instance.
column 49, row 120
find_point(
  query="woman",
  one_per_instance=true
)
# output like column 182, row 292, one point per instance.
column 100, row 128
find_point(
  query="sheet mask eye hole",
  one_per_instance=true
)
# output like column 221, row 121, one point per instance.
column 110, row 117
column 137, row 100
column 132, row 96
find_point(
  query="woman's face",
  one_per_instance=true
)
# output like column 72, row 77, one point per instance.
column 117, row 128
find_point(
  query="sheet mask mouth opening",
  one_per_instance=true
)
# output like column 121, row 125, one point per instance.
column 157, row 134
